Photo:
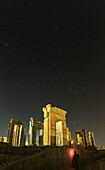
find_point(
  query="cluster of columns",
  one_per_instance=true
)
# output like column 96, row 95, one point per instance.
column 55, row 130
column 33, row 126
column 16, row 136
column 82, row 138
column 92, row 139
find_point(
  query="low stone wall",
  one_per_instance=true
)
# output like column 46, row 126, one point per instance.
column 45, row 160
column 48, row 158
column 5, row 148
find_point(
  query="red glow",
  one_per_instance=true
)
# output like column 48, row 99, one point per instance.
column 71, row 151
column 70, row 154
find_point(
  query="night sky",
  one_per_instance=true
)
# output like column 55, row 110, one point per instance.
column 53, row 52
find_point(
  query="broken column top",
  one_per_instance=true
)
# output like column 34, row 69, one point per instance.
column 17, row 122
column 82, row 130
column 54, row 109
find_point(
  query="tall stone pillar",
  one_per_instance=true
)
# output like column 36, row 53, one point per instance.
column 52, row 139
column 21, row 135
column 46, row 127
column 91, row 139
column 16, row 136
column 59, row 133
column 84, row 138
column 64, row 133
column 10, row 132
column 41, row 137
column 32, row 133
column 78, row 138
column 68, row 137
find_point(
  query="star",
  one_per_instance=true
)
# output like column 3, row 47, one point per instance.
column 33, row 60
column 56, row 28
column 83, row 88
column 6, row 44
column 74, row 122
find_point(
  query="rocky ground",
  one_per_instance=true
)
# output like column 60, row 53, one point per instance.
column 49, row 158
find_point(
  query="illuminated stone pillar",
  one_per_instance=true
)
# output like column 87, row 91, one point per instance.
column 68, row 137
column 10, row 132
column 78, row 139
column 41, row 137
column 52, row 139
column 59, row 133
column 46, row 127
column 49, row 126
column 15, row 132
column 32, row 133
column 64, row 133
column 15, row 136
column 91, row 139
column 21, row 136
column 82, row 138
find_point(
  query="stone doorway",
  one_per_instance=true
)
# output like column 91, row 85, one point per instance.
column 59, row 133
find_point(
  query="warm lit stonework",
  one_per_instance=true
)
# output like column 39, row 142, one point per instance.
column 16, row 136
column 52, row 132
column 55, row 130
column 33, row 126
column 3, row 139
column 82, row 138
column 91, row 139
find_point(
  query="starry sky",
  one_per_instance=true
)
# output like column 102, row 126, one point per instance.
column 53, row 52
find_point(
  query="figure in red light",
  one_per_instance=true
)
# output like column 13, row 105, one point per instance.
column 75, row 159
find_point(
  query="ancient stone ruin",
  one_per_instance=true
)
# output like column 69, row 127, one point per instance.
column 82, row 139
column 55, row 130
column 33, row 126
column 16, row 136
column 52, row 132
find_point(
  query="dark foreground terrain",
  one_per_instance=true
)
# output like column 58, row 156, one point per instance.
column 49, row 158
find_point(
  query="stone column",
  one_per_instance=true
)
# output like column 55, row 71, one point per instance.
column 52, row 139
column 68, row 137
column 20, row 135
column 78, row 138
column 16, row 135
column 10, row 132
column 32, row 133
column 46, row 127
column 59, row 133
column 41, row 137
column 91, row 139
column 85, row 139
column 16, row 139
column 64, row 133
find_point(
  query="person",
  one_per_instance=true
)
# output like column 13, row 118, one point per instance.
column 75, row 159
